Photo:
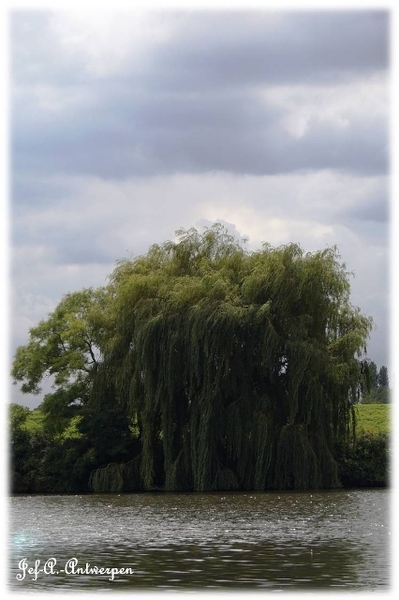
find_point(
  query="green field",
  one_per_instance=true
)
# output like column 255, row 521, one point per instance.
column 373, row 418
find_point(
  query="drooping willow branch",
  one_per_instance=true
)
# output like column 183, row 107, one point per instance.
column 237, row 367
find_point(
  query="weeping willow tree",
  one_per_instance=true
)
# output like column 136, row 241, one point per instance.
column 239, row 368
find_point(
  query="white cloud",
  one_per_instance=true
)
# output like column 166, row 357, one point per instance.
column 107, row 41
column 55, row 99
column 99, row 221
column 111, row 214
column 308, row 106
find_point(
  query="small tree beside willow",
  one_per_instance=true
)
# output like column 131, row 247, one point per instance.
column 238, row 369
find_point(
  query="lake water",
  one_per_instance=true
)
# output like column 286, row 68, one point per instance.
column 328, row 540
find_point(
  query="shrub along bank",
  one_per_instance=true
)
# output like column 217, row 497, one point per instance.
column 44, row 462
column 365, row 462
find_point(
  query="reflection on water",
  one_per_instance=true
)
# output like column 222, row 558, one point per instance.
column 304, row 540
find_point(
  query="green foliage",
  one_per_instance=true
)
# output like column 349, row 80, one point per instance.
column 66, row 346
column 19, row 443
column 202, row 366
column 40, row 463
column 34, row 420
column 17, row 416
column 366, row 462
column 65, row 439
column 107, row 433
column 383, row 380
column 58, row 456
column 377, row 391
column 114, row 477
column 377, row 395
column 237, row 367
column 59, row 408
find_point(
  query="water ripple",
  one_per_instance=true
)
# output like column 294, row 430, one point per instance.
column 183, row 541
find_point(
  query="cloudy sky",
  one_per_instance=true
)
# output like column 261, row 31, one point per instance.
column 128, row 126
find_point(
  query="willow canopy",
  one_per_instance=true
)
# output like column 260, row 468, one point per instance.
column 238, row 369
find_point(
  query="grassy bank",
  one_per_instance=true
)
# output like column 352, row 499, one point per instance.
column 373, row 418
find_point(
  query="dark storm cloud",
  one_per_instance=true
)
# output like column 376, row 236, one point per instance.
column 54, row 214
column 172, row 133
column 66, row 243
column 84, row 250
column 211, row 49
column 33, row 191
column 195, row 107
column 374, row 210
column 36, row 54
column 142, row 134
column 252, row 49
